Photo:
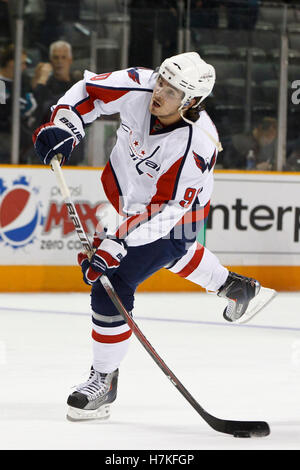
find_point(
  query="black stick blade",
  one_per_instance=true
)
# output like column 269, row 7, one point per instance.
column 247, row 428
column 235, row 428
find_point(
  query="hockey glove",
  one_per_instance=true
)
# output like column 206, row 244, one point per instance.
column 105, row 260
column 60, row 135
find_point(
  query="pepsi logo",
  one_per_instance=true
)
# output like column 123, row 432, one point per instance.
column 20, row 213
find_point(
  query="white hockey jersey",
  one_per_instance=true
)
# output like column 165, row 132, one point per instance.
column 155, row 174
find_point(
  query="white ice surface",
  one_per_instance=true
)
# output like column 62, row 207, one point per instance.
column 245, row 372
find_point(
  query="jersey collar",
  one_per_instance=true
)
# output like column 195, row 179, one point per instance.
column 156, row 127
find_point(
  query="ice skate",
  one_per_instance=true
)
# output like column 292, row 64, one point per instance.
column 240, row 291
column 92, row 399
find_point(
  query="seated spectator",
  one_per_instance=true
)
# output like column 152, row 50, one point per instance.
column 27, row 106
column 259, row 145
column 51, row 81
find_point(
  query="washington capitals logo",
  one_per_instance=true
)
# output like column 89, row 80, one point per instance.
column 203, row 164
column 134, row 75
column 20, row 213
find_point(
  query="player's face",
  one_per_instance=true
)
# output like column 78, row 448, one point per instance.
column 165, row 102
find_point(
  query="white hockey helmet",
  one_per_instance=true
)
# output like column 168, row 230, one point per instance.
column 190, row 74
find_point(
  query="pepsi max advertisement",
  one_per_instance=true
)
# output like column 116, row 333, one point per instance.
column 35, row 228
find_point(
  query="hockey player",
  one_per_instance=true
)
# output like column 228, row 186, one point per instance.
column 160, row 179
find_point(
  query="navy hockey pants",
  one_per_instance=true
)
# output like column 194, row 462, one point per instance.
column 139, row 264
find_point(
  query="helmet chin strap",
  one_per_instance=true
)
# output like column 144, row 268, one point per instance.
column 217, row 144
column 185, row 103
column 180, row 110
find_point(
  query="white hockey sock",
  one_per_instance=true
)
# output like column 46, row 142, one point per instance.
column 110, row 346
column 201, row 266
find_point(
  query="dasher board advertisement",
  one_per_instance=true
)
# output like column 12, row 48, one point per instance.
column 35, row 228
column 255, row 219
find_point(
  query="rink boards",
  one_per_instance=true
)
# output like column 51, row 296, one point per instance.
column 253, row 227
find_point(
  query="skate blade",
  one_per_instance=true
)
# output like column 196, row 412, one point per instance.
column 76, row 414
column 256, row 305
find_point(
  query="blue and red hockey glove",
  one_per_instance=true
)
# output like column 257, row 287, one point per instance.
column 106, row 258
column 60, row 135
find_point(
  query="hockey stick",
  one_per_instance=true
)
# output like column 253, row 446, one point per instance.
column 236, row 428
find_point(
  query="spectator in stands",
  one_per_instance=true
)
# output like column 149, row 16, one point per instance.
column 255, row 150
column 52, row 79
column 27, row 106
